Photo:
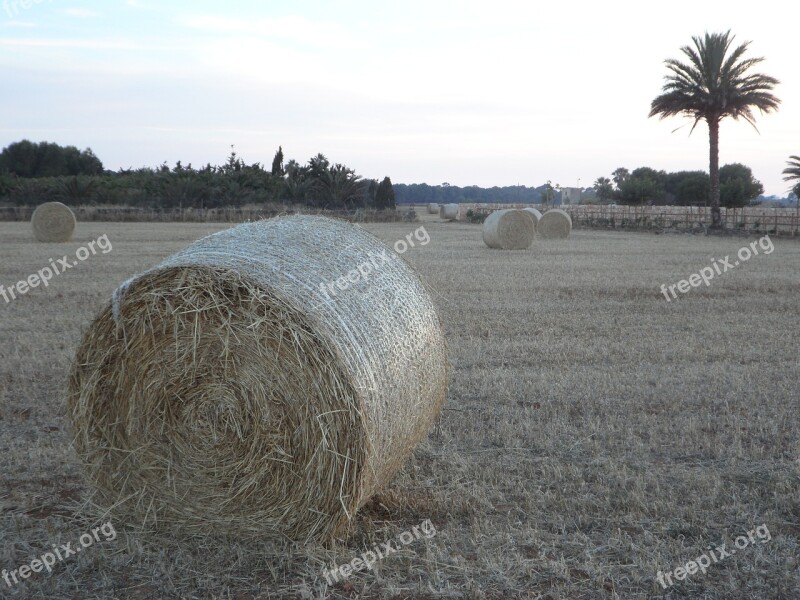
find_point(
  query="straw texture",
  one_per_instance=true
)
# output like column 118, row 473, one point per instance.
column 449, row 211
column 536, row 217
column 53, row 222
column 433, row 208
column 509, row 229
column 229, row 388
column 555, row 224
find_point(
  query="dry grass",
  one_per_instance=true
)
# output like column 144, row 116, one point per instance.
column 594, row 433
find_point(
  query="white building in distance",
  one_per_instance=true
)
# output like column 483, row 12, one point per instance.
column 570, row 195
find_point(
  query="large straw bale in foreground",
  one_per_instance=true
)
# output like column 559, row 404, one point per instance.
column 554, row 224
column 509, row 229
column 433, row 208
column 225, row 390
column 53, row 222
column 449, row 211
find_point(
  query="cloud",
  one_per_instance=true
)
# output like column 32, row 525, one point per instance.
column 19, row 24
column 81, row 13
column 67, row 43
column 291, row 28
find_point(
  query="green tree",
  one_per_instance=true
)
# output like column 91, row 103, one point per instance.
column 76, row 190
column 715, row 84
column 619, row 176
column 317, row 173
column 234, row 164
column 293, row 170
column 737, row 186
column 603, row 187
column 548, row 193
column 295, row 190
column 277, row 163
column 643, row 186
column 384, row 195
column 344, row 189
column 688, row 188
column 792, row 173
column 370, row 191
column 46, row 159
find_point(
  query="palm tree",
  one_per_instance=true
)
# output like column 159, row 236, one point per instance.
column 603, row 187
column 792, row 173
column 715, row 84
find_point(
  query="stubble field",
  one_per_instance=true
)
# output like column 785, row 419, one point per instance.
column 594, row 434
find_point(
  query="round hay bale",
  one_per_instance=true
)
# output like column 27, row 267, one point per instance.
column 509, row 229
column 555, row 224
column 449, row 211
column 433, row 208
column 266, row 380
column 53, row 222
column 536, row 216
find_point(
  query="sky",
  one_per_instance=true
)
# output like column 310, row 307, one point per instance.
column 468, row 92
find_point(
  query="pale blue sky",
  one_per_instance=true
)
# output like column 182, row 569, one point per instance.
column 485, row 93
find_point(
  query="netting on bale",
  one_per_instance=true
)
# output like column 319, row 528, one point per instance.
column 264, row 380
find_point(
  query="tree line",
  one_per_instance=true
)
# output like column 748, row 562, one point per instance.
column 737, row 186
column 32, row 173
column 423, row 193
column 644, row 185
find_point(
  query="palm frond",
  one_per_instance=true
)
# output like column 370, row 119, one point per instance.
column 792, row 172
column 715, row 82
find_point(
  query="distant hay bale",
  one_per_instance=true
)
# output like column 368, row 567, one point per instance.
column 262, row 381
column 433, row 208
column 449, row 211
column 555, row 224
column 536, row 217
column 53, row 222
column 509, row 229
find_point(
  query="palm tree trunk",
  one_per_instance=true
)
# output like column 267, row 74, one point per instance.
column 713, row 171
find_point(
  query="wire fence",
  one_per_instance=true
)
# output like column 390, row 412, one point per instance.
column 748, row 219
